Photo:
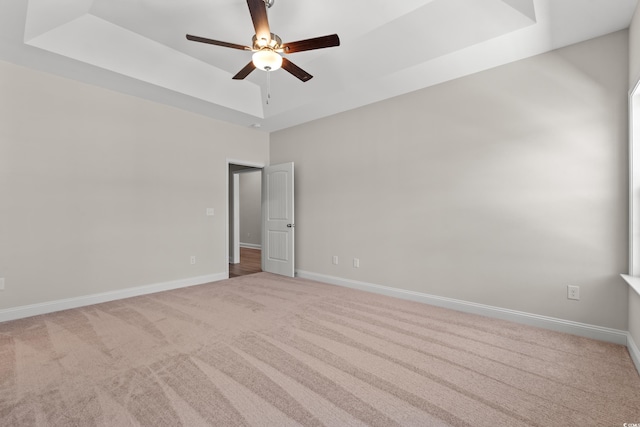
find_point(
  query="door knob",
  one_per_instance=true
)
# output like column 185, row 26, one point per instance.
column 291, row 225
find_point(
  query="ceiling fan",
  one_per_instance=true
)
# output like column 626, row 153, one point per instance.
column 266, row 46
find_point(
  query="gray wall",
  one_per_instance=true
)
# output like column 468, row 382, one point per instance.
column 500, row 188
column 250, row 208
column 634, row 75
column 102, row 191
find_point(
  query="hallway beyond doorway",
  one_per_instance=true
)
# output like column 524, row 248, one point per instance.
column 250, row 263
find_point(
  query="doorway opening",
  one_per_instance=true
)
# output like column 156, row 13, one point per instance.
column 277, row 212
column 245, row 219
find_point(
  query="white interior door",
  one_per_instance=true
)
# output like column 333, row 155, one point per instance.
column 278, row 226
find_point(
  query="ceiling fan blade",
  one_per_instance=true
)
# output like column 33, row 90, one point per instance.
column 295, row 70
column 258, row 10
column 311, row 44
column 245, row 71
column 216, row 42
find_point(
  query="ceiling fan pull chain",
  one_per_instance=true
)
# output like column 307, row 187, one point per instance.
column 268, row 69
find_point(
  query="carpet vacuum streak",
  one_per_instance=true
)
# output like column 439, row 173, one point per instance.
column 264, row 350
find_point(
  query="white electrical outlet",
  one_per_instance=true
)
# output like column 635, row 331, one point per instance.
column 573, row 292
column 335, row 259
column 1, row 283
column 193, row 259
column 356, row 263
column 210, row 212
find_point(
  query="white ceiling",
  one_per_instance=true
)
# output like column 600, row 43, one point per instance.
column 387, row 47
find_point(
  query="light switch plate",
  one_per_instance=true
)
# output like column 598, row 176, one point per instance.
column 1, row 283
column 210, row 212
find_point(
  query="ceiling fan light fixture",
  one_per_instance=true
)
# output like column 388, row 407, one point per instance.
column 267, row 60
column 267, row 46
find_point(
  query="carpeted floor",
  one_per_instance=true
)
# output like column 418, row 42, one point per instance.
column 264, row 350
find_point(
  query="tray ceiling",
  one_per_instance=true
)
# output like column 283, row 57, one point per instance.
column 387, row 48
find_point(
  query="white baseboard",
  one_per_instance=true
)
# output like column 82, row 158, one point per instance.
column 567, row 326
column 250, row 246
column 633, row 351
column 66, row 304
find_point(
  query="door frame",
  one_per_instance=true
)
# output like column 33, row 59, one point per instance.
column 236, row 243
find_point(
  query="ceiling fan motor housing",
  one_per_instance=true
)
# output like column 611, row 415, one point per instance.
column 274, row 44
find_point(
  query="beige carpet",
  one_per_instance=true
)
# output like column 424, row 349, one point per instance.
column 263, row 350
